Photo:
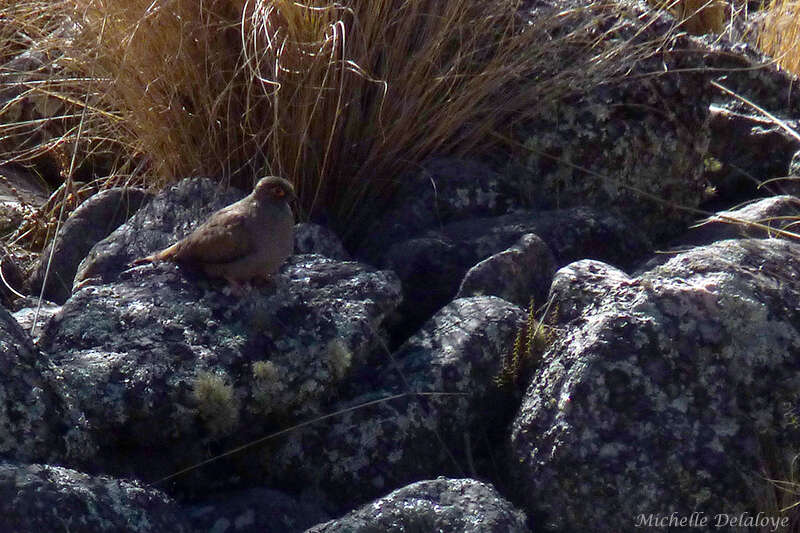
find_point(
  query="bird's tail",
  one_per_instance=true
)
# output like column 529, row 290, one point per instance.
column 163, row 255
column 143, row 260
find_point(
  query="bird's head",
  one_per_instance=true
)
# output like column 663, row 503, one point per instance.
column 274, row 189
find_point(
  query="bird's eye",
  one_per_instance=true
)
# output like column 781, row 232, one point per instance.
column 278, row 192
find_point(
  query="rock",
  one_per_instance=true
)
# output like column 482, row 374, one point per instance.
column 11, row 277
column 34, row 113
column 774, row 212
column 26, row 313
column 55, row 499
column 445, row 505
column 94, row 220
column 518, row 274
column 255, row 511
column 20, row 187
column 794, row 172
column 162, row 359
column 170, row 216
column 430, row 269
column 34, row 420
column 444, row 190
column 631, row 131
column 22, row 192
column 661, row 391
column 17, row 76
column 315, row 239
column 777, row 212
column 751, row 147
column 433, row 266
column 431, row 408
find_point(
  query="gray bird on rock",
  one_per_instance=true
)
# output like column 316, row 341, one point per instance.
column 246, row 241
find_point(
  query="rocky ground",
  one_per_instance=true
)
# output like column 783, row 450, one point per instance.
column 359, row 390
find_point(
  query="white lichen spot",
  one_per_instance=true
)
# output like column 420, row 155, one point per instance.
column 221, row 526
column 681, row 403
column 395, row 455
column 611, row 450
column 248, row 518
column 726, row 428
column 716, row 445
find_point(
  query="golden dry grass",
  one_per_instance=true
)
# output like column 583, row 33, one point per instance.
column 342, row 98
column 780, row 34
column 698, row 17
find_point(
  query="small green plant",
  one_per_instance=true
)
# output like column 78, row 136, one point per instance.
column 340, row 358
column 269, row 384
column 216, row 402
column 532, row 340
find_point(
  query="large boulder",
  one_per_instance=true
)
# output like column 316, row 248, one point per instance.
column 446, row 505
column 164, row 359
column 433, row 266
column 36, row 421
column 518, row 274
column 93, row 221
column 634, row 141
column 160, row 357
column 662, row 391
column 431, row 408
column 170, row 216
column 54, row 499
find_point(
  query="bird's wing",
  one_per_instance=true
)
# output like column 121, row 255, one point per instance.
column 221, row 239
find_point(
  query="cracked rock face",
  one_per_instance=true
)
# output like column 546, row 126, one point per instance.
column 50, row 498
column 463, row 505
column 661, row 389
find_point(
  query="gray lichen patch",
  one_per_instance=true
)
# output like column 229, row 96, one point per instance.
column 659, row 389
column 390, row 435
column 35, row 415
column 163, row 359
column 50, row 498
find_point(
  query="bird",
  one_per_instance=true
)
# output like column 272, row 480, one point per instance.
column 246, row 241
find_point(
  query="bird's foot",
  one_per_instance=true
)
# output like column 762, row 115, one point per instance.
column 235, row 288
column 265, row 281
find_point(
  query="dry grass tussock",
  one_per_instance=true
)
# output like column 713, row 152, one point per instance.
column 340, row 97
column 780, row 34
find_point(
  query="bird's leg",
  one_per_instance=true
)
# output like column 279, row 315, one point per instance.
column 237, row 289
column 262, row 281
